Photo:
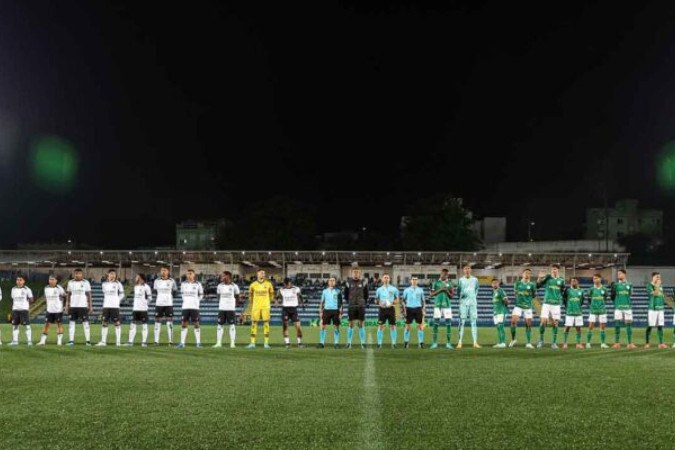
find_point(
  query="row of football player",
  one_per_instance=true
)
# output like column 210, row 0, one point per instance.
column 78, row 303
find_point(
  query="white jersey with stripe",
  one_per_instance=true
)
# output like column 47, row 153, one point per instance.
column 113, row 294
column 78, row 293
column 165, row 290
column 192, row 294
column 226, row 294
column 289, row 296
column 21, row 297
column 54, row 296
column 142, row 297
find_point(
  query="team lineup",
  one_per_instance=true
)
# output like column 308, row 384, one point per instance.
column 76, row 302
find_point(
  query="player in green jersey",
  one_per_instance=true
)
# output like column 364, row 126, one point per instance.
column 500, row 310
column 524, row 291
column 573, row 297
column 655, row 317
column 442, row 291
column 598, row 294
column 554, row 285
column 620, row 292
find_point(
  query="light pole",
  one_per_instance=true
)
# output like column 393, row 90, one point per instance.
column 530, row 224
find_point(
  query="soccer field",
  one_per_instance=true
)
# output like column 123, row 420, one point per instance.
column 161, row 397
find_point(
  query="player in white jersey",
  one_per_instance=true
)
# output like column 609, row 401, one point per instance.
column 22, row 297
column 192, row 293
column 142, row 298
column 291, row 298
column 229, row 296
column 165, row 287
column 113, row 294
column 78, row 305
column 55, row 296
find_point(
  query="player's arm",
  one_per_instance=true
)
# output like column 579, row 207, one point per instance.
column 323, row 299
column 30, row 295
column 90, row 302
column 301, row 300
column 277, row 297
column 345, row 292
column 612, row 290
column 542, row 279
column 340, row 302
column 505, row 298
column 432, row 292
column 120, row 291
column 270, row 290
column 148, row 293
column 200, row 291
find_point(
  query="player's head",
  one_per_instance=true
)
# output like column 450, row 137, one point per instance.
column 621, row 274
column 413, row 281
column 444, row 274
column 261, row 275
column 555, row 269
column 112, row 275
column 20, row 280
column 574, row 282
column 190, row 275
column 53, row 280
column 527, row 273
column 656, row 277
column 495, row 283
column 226, row 277
column 287, row 282
column 386, row 278
column 356, row 274
column 331, row 282
column 140, row 278
column 164, row 272
column 467, row 269
column 78, row 274
column 597, row 279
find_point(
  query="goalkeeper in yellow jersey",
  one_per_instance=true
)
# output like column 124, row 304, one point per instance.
column 260, row 294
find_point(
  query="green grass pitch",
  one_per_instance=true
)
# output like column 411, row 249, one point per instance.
column 160, row 397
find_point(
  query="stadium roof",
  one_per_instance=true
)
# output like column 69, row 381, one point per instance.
column 272, row 258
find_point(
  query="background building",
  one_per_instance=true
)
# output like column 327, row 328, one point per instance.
column 623, row 220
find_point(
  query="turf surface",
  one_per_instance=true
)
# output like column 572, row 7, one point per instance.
column 161, row 397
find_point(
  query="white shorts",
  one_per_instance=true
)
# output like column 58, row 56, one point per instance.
column 623, row 314
column 520, row 311
column 445, row 313
column 602, row 318
column 574, row 321
column 498, row 318
column 655, row 318
column 552, row 311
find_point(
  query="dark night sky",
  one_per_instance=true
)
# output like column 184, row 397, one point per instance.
column 332, row 104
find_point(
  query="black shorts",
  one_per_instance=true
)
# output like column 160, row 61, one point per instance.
column 331, row 316
column 386, row 314
column 226, row 317
column 111, row 315
column 290, row 313
column 413, row 314
column 140, row 316
column 164, row 311
column 357, row 313
column 79, row 314
column 54, row 317
column 20, row 318
column 190, row 315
